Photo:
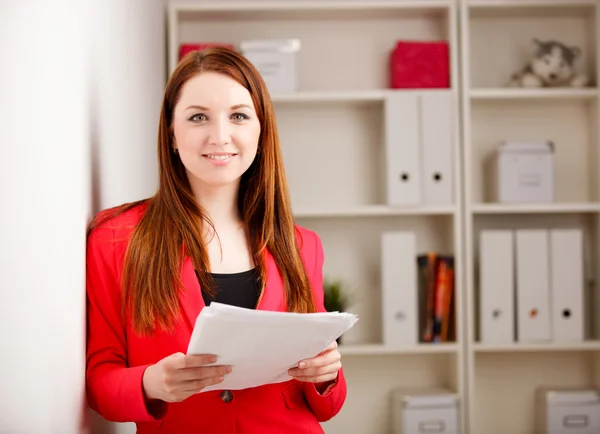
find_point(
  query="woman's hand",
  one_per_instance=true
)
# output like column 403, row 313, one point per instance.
column 322, row 368
column 178, row 376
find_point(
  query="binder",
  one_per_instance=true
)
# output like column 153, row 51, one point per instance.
column 533, row 285
column 496, row 286
column 567, row 284
column 437, row 122
column 399, row 289
column 402, row 159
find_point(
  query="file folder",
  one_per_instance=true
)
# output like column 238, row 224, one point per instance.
column 399, row 289
column 402, row 145
column 496, row 286
column 533, row 285
column 567, row 284
column 436, row 112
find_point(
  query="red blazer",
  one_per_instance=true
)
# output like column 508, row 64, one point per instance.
column 117, row 357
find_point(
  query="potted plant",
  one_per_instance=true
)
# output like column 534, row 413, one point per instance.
column 335, row 298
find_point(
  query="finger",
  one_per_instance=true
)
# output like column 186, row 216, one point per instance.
column 332, row 346
column 319, row 378
column 192, row 361
column 315, row 371
column 196, row 386
column 325, row 359
column 203, row 372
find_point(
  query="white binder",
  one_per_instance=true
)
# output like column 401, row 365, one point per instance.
column 402, row 160
column 399, row 289
column 437, row 148
column 496, row 286
column 567, row 284
column 533, row 285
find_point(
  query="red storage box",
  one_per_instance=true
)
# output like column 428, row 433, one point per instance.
column 186, row 48
column 420, row 64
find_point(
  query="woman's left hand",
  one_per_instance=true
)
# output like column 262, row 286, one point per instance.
column 322, row 368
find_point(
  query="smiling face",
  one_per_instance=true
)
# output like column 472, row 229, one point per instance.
column 216, row 130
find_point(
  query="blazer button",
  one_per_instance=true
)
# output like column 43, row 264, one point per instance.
column 226, row 396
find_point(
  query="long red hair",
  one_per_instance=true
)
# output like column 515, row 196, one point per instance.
column 172, row 223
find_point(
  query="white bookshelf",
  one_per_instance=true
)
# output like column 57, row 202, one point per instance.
column 495, row 38
column 332, row 137
column 332, row 134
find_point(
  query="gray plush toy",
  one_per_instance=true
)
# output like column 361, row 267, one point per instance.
column 552, row 65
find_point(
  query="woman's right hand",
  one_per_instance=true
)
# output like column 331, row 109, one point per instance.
column 179, row 376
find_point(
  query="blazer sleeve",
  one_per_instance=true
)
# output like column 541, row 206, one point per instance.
column 328, row 404
column 113, row 389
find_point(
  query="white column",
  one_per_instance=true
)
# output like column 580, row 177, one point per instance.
column 44, row 208
column 128, row 76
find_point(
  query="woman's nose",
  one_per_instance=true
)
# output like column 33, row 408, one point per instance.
column 220, row 132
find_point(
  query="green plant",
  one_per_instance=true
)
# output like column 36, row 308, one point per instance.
column 335, row 298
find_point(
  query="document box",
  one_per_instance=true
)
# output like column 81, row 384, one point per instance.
column 276, row 60
column 523, row 172
column 568, row 411
column 423, row 411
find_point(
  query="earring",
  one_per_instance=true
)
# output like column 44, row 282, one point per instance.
column 175, row 151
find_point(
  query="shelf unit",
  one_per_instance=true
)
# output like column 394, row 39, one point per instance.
column 333, row 129
column 496, row 38
column 332, row 137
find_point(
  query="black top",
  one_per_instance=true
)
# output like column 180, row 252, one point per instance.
column 238, row 289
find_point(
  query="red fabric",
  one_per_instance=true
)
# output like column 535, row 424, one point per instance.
column 117, row 358
column 186, row 48
column 420, row 65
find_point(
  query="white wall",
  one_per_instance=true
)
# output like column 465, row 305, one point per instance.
column 44, row 197
column 78, row 133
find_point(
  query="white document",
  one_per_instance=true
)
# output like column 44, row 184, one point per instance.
column 261, row 346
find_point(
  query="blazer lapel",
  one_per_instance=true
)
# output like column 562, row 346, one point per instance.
column 191, row 297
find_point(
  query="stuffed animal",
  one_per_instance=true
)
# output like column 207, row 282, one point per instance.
column 552, row 65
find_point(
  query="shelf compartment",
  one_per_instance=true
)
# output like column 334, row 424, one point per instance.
column 353, row 248
column 323, row 28
column 570, row 125
column 374, row 378
column 505, row 384
column 500, row 42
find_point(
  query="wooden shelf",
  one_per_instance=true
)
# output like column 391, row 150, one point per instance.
column 552, row 208
column 373, row 211
column 492, row 94
column 377, row 349
column 537, row 347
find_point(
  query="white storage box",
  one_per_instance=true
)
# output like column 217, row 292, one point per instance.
column 276, row 60
column 568, row 411
column 523, row 172
column 425, row 411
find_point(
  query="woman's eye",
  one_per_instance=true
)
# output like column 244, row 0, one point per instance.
column 239, row 117
column 198, row 118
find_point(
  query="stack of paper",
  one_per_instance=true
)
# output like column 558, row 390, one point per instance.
column 260, row 345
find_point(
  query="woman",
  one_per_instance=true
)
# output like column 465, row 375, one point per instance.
column 218, row 228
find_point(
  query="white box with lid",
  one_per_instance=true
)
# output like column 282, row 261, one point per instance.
column 276, row 60
column 425, row 411
column 523, row 172
column 568, row 411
